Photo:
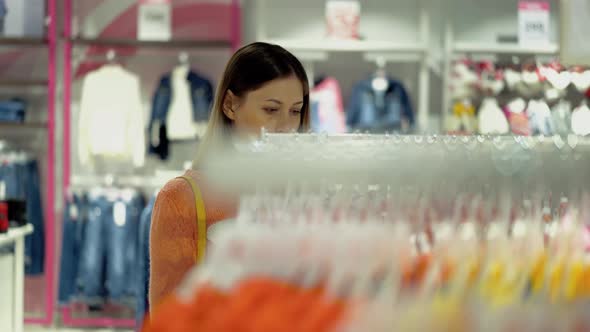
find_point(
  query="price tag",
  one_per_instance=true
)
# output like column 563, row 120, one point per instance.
column 120, row 214
column 154, row 20
column 533, row 23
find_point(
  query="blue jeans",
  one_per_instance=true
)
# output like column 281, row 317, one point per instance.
column 109, row 250
column 12, row 110
column 22, row 182
column 73, row 232
column 34, row 243
column 143, row 265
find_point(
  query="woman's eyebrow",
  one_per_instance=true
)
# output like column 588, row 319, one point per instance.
column 275, row 101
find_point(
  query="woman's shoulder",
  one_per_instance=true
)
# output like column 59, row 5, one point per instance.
column 178, row 195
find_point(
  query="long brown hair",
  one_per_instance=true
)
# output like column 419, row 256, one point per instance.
column 249, row 68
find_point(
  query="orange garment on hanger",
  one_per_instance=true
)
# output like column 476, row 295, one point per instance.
column 256, row 304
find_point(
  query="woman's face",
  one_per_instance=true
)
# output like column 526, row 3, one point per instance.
column 276, row 107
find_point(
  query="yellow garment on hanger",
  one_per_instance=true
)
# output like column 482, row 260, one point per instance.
column 461, row 109
column 463, row 118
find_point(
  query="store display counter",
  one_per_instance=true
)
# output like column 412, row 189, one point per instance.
column 12, row 275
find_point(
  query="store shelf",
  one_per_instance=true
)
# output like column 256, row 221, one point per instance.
column 176, row 44
column 26, row 125
column 26, row 41
column 327, row 45
column 23, row 83
column 15, row 233
column 493, row 48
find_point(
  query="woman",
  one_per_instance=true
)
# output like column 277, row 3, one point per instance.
column 263, row 86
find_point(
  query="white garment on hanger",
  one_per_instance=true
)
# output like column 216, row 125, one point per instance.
column 540, row 119
column 512, row 78
column 561, row 114
column 581, row 80
column 559, row 81
column 180, row 121
column 581, row 120
column 491, row 118
column 518, row 105
column 111, row 122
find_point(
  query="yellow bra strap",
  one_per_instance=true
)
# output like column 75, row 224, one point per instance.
column 201, row 220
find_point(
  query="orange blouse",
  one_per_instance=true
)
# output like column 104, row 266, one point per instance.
column 173, row 237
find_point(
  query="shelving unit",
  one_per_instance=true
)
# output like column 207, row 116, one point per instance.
column 494, row 48
column 24, row 125
column 24, row 83
column 46, row 44
column 175, row 44
column 24, row 41
column 72, row 42
column 454, row 48
column 327, row 45
column 311, row 51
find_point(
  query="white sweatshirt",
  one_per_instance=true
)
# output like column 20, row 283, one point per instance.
column 179, row 122
column 111, row 123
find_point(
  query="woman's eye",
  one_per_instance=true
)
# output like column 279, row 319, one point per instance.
column 295, row 112
column 271, row 110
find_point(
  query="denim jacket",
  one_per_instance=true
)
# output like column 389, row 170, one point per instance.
column 375, row 111
column 201, row 91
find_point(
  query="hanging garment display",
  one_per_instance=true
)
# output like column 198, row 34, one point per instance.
column 21, row 182
column 539, row 85
column 181, row 102
column 99, row 262
column 379, row 111
column 111, row 123
column 491, row 118
column 327, row 107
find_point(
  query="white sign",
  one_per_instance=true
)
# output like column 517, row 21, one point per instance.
column 154, row 21
column 533, row 23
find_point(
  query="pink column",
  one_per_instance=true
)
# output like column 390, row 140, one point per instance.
column 50, row 189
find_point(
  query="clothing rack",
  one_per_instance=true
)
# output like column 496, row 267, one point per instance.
column 70, row 182
column 423, row 161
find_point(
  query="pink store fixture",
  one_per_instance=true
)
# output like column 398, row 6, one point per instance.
column 69, row 74
column 50, row 272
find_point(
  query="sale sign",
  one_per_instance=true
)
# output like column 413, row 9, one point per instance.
column 154, row 20
column 533, row 23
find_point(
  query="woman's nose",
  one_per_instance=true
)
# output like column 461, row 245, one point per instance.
column 283, row 124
